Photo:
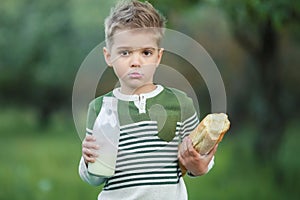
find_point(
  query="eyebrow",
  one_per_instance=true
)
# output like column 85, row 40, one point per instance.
column 131, row 48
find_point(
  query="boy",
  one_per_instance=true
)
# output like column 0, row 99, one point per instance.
column 153, row 119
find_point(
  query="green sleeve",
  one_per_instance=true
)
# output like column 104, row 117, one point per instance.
column 186, row 104
column 93, row 111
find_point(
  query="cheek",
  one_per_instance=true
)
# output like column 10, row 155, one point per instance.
column 120, row 71
column 149, row 71
column 151, row 68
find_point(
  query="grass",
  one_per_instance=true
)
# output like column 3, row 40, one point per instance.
column 40, row 164
column 238, row 175
column 43, row 164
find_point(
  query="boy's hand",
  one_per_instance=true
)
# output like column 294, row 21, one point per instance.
column 194, row 162
column 89, row 148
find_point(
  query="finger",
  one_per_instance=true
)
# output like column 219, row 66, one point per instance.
column 213, row 151
column 90, row 138
column 90, row 144
column 181, row 150
column 89, row 152
column 182, row 147
column 88, row 159
column 179, row 157
column 181, row 160
column 190, row 148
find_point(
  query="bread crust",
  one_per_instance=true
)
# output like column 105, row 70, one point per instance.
column 208, row 133
column 203, row 138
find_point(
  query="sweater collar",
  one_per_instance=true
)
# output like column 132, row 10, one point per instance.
column 136, row 97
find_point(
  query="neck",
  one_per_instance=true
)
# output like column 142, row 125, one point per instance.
column 140, row 90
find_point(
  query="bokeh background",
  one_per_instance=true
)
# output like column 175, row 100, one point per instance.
column 254, row 43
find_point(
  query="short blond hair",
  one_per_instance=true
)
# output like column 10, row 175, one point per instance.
column 132, row 14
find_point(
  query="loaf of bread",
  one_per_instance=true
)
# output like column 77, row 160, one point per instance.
column 208, row 133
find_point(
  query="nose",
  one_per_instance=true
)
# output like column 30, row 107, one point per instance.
column 135, row 60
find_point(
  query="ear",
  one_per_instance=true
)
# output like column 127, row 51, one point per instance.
column 160, row 54
column 107, row 56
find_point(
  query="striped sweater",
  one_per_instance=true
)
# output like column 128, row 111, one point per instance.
column 151, row 127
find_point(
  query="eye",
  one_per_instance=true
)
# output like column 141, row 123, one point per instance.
column 125, row 53
column 147, row 52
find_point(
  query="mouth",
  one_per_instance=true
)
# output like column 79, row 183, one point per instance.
column 135, row 75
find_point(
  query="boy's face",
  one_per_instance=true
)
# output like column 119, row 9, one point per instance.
column 134, row 56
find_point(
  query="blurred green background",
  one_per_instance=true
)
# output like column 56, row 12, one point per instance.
column 255, row 44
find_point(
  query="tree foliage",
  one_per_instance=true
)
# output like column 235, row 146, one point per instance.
column 44, row 42
column 257, row 26
column 42, row 45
